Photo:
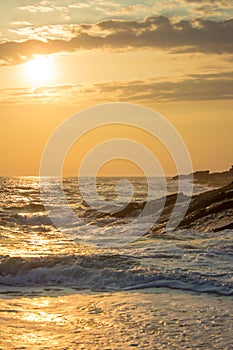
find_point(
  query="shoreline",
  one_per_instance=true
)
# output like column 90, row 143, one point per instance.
column 154, row 319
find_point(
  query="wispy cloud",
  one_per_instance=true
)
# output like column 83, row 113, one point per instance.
column 154, row 32
column 210, row 8
column 219, row 2
column 19, row 24
column 79, row 5
column 43, row 94
column 192, row 88
column 197, row 87
column 43, row 33
column 116, row 8
column 35, row 8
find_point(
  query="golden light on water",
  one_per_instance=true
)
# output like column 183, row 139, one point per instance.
column 39, row 70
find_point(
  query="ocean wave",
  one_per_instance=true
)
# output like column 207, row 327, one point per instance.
column 105, row 272
column 197, row 256
column 30, row 220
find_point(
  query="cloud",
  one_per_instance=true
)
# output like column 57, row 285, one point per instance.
column 44, row 94
column 79, row 5
column 19, row 24
column 116, row 9
column 18, row 52
column 43, row 33
column 193, row 88
column 204, row 36
column 196, row 87
column 207, row 8
column 35, row 8
column 223, row 2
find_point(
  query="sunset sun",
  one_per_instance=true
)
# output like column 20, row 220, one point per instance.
column 39, row 70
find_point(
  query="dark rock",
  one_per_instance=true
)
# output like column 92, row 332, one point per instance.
column 216, row 179
column 208, row 211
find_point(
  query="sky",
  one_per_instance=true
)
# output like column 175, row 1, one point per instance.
column 60, row 57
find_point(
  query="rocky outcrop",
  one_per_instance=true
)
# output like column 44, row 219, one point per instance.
column 212, row 210
column 217, row 179
column 208, row 211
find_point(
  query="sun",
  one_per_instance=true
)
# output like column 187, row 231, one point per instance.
column 39, row 70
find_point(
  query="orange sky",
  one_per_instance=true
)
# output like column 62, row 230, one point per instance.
column 58, row 60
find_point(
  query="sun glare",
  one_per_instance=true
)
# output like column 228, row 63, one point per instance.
column 39, row 70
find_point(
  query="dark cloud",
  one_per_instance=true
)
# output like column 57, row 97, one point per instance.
column 193, row 88
column 17, row 52
column 154, row 32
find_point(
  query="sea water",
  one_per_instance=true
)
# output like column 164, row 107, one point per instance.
column 172, row 290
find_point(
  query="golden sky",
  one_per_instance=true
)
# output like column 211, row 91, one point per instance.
column 59, row 57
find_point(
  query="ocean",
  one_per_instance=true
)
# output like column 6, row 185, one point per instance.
column 58, row 290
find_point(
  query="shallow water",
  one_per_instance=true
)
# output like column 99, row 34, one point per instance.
column 156, row 320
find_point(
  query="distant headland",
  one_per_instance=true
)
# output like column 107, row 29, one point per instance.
column 213, row 179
